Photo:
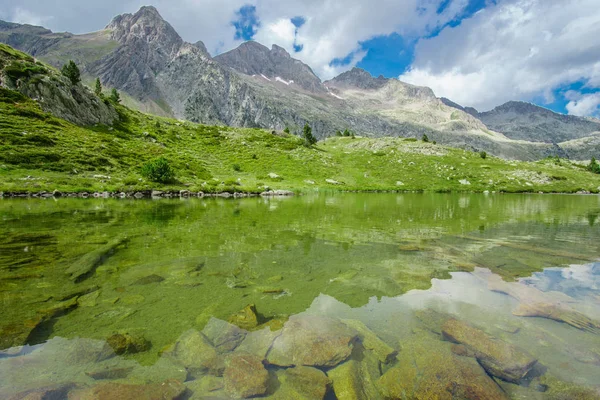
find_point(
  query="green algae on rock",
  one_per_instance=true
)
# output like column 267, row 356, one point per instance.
column 429, row 370
column 499, row 358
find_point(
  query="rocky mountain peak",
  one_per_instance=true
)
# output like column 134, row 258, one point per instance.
column 278, row 51
column 252, row 58
column 358, row 78
column 147, row 25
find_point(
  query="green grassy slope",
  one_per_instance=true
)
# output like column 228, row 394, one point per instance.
column 41, row 152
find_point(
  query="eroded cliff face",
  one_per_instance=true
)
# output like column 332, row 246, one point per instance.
column 54, row 92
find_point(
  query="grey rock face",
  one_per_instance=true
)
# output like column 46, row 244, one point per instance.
column 357, row 78
column 252, row 58
column 525, row 121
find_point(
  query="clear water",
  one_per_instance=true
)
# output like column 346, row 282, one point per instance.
column 520, row 269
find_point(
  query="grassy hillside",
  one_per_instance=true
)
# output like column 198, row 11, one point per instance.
column 41, row 152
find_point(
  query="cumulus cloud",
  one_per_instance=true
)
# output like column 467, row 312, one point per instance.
column 515, row 49
column 583, row 104
column 333, row 29
column 23, row 16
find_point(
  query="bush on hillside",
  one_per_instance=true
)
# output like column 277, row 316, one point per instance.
column 425, row 139
column 483, row 154
column 158, row 170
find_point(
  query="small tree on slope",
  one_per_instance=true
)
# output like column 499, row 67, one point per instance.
column 71, row 71
column 309, row 139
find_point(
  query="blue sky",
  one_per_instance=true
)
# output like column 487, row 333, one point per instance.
column 479, row 53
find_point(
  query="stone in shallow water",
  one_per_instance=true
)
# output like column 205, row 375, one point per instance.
column 195, row 352
column 168, row 390
column 208, row 387
column 223, row 335
column 54, row 392
column 301, row 383
column 312, row 341
column 245, row 376
column 427, row 369
column 499, row 358
column 258, row 342
column 355, row 380
column 128, row 343
column 147, row 280
column 371, row 341
column 246, row 318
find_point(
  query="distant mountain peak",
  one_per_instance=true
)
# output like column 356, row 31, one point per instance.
column 146, row 24
column 253, row 58
column 359, row 78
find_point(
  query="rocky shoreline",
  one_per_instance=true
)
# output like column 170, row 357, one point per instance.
column 145, row 194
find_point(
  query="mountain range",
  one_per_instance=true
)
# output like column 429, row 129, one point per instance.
column 158, row 72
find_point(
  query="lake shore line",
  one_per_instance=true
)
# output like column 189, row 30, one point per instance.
column 168, row 194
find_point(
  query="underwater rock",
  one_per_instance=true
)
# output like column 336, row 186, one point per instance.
column 558, row 313
column 128, row 343
column 355, row 380
column 207, row 387
column 371, row 341
column 223, row 335
column 88, row 300
column 110, row 373
column 536, row 303
column 245, row 376
column 147, row 280
column 500, row 359
column 258, row 342
column 168, row 390
column 54, row 392
column 246, row 319
column 428, row 370
column 23, row 332
column 432, row 320
column 195, row 352
column 87, row 264
column 312, row 341
column 557, row 389
column 301, row 383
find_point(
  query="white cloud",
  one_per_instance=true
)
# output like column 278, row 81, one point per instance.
column 23, row 16
column 517, row 49
column 335, row 28
column 583, row 104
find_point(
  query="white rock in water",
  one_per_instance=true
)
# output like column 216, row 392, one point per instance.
column 464, row 182
column 399, row 183
column 331, row 181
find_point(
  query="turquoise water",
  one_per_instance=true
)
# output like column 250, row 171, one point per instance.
column 354, row 296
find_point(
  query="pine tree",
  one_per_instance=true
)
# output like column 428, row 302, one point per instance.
column 594, row 166
column 286, row 130
column 309, row 139
column 115, row 97
column 98, row 88
column 425, row 139
column 71, row 71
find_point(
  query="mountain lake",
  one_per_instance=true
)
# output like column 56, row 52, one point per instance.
column 321, row 296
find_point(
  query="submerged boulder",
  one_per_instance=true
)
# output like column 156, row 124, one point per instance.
column 500, row 359
column 195, row 352
column 371, row 341
column 356, row 380
column 246, row 318
column 429, row 370
column 258, row 342
column 312, row 341
column 301, row 383
column 245, row 376
column 223, row 335
column 128, row 343
column 168, row 390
